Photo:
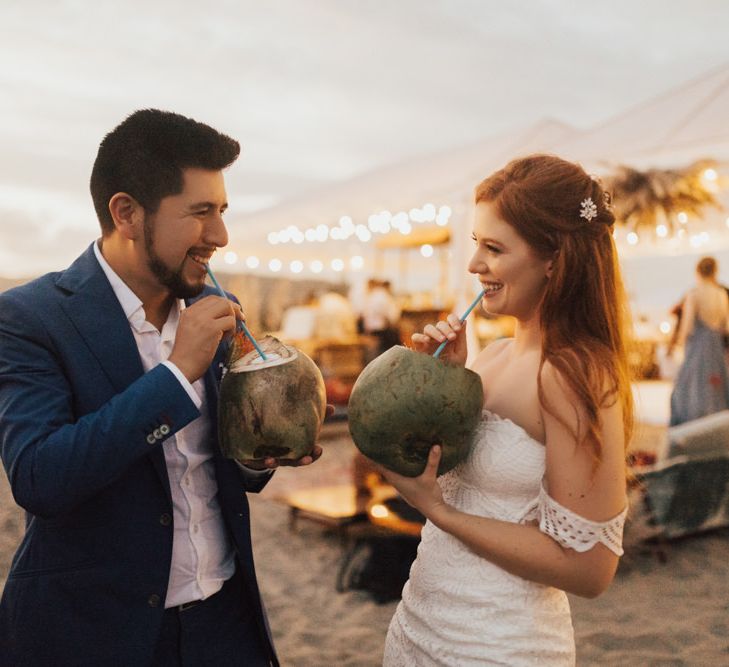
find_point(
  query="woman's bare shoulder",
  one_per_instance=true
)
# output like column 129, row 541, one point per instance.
column 491, row 351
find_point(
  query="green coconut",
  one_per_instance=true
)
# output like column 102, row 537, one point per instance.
column 404, row 402
column 270, row 408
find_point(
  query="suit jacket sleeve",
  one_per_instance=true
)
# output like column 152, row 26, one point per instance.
column 54, row 459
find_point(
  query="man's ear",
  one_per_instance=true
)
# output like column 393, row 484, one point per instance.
column 127, row 214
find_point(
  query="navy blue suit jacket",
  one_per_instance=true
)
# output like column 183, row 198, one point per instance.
column 88, row 582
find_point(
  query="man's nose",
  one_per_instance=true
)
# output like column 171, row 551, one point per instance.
column 215, row 232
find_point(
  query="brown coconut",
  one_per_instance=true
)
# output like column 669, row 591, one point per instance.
column 270, row 408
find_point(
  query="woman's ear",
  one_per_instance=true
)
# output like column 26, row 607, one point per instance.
column 127, row 214
column 550, row 264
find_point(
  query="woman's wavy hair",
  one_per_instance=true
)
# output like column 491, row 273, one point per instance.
column 584, row 315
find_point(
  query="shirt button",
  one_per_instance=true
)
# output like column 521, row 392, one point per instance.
column 165, row 519
column 154, row 600
column 195, row 528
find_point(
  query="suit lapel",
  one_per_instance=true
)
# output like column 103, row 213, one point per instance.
column 99, row 318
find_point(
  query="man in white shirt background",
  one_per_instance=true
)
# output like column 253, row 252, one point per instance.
column 137, row 547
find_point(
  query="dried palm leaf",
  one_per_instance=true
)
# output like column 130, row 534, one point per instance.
column 645, row 198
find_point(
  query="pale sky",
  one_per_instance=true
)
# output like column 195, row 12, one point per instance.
column 317, row 91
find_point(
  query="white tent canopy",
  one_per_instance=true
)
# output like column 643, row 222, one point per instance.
column 682, row 125
column 441, row 179
column 672, row 130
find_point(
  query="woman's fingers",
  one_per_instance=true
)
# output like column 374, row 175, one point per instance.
column 434, row 334
column 455, row 322
column 421, row 342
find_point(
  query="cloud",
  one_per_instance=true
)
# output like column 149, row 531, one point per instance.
column 42, row 237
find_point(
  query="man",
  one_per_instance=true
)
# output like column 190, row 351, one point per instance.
column 137, row 547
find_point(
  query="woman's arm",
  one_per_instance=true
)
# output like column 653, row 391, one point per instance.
column 687, row 318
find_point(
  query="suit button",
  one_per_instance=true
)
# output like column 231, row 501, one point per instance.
column 157, row 434
column 151, row 439
column 165, row 519
column 153, row 600
column 164, row 429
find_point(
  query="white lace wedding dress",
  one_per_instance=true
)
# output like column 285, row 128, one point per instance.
column 458, row 608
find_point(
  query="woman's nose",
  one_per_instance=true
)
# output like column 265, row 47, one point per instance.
column 476, row 264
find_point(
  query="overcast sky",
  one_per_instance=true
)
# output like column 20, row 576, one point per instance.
column 317, row 91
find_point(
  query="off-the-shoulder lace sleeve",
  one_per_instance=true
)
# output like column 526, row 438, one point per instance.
column 574, row 531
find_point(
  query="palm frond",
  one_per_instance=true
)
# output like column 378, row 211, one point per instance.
column 645, row 198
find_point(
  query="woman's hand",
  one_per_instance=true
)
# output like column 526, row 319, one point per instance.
column 452, row 330
column 423, row 492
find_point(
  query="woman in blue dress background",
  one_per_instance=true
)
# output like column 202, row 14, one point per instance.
column 702, row 383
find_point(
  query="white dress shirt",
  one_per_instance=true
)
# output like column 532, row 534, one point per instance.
column 202, row 553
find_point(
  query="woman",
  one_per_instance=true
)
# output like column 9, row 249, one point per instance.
column 702, row 384
column 538, row 508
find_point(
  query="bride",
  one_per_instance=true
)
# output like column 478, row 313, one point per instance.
column 538, row 507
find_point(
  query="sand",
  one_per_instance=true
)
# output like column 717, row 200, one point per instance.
column 655, row 613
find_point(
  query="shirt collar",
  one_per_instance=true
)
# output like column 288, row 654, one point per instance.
column 131, row 304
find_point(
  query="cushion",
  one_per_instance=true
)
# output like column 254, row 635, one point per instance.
column 700, row 438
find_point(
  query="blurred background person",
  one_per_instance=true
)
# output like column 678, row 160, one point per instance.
column 702, row 383
column 335, row 318
column 381, row 314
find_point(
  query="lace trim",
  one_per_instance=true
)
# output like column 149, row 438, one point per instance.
column 574, row 531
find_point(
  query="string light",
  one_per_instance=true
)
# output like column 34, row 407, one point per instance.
column 377, row 223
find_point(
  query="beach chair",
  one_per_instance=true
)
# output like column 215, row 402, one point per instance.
column 686, row 495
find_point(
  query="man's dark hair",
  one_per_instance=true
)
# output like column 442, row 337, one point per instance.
column 144, row 156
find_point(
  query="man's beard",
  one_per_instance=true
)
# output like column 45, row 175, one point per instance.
column 171, row 279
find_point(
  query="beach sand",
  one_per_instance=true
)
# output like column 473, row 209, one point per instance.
column 655, row 613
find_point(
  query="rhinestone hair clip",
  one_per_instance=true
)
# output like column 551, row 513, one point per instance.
column 588, row 209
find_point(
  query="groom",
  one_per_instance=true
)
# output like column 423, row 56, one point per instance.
column 137, row 548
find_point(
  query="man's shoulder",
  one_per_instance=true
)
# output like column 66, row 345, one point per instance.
column 81, row 269
column 48, row 287
column 32, row 289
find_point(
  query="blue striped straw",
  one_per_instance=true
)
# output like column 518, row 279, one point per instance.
column 240, row 324
column 476, row 301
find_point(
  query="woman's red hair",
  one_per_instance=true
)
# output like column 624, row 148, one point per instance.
column 584, row 314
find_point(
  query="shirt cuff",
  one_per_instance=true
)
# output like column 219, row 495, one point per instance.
column 185, row 383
